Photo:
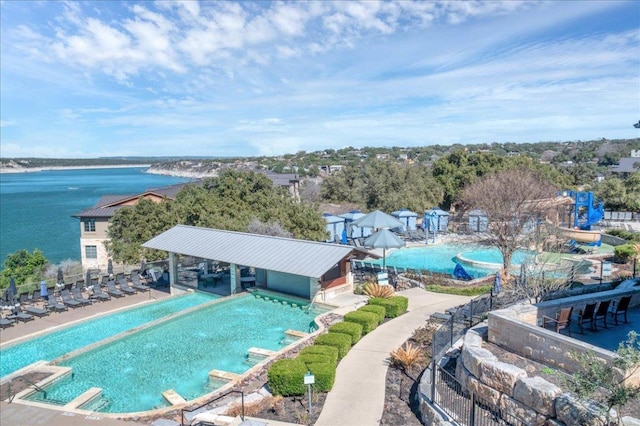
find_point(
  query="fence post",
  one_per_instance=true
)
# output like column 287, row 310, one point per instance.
column 433, row 380
column 471, row 313
column 472, row 412
column 491, row 299
column 451, row 332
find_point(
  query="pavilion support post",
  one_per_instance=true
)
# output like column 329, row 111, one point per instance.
column 173, row 271
column 234, row 278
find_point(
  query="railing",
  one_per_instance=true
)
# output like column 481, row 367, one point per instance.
column 464, row 407
column 12, row 395
column 190, row 410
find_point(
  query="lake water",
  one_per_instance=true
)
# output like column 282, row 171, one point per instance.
column 36, row 208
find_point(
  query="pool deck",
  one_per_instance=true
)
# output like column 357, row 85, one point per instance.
column 56, row 319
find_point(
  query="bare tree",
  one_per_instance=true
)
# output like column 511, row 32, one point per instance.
column 275, row 229
column 514, row 202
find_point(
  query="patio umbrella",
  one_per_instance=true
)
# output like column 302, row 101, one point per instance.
column 60, row 275
column 384, row 239
column 497, row 283
column 377, row 220
column 143, row 268
column 110, row 267
column 12, row 291
column 87, row 281
column 343, row 238
column 43, row 290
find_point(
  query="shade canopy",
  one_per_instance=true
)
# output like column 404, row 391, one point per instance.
column 384, row 239
column 377, row 220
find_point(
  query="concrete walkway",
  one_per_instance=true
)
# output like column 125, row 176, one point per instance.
column 357, row 397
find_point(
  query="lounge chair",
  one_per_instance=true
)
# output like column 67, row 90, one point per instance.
column 20, row 316
column 39, row 312
column 119, row 276
column 587, row 315
column 53, row 305
column 137, row 284
column 113, row 291
column 601, row 313
column 77, row 295
column 620, row 308
column 98, row 294
column 561, row 321
column 5, row 322
column 124, row 286
column 68, row 300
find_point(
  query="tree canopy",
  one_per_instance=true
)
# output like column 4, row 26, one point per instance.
column 233, row 201
column 513, row 201
column 23, row 266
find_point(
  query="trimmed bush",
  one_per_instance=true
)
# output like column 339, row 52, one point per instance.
column 376, row 309
column 314, row 359
column 330, row 351
column 286, row 377
column 394, row 306
column 337, row 340
column 325, row 375
column 368, row 320
column 351, row 328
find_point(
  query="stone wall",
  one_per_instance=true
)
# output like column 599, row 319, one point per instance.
column 517, row 329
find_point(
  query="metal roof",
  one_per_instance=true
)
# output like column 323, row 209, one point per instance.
column 627, row 165
column 97, row 212
column 288, row 255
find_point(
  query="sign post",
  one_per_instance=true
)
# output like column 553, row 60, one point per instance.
column 309, row 379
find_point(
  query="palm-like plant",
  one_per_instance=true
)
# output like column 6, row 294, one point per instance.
column 377, row 290
column 406, row 357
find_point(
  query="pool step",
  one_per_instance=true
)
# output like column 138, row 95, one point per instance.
column 173, row 398
column 83, row 398
column 260, row 353
column 295, row 334
column 223, row 375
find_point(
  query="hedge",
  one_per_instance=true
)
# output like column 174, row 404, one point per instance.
column 351, row 328
column 394, row 306
column 286, row 377
column 325, row 375
column 376, row 309
column 368, row 320
column 338, row 340
column 315, row 359
column 330, row 351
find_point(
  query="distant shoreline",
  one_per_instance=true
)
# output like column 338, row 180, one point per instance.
column 12, row 170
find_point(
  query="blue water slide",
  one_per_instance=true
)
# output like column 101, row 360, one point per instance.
column 460, row 273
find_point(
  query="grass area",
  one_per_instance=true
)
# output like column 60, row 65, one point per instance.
column 459, row 291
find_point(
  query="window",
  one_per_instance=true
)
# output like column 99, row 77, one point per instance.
column 89, row 225
column 91, row 252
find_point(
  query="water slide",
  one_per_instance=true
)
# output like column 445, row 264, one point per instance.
column 579, row 235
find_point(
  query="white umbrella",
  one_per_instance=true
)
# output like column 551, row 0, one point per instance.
column 377, row 220
column 384, row 239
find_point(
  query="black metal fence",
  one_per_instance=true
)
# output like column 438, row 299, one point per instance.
column 464, row 407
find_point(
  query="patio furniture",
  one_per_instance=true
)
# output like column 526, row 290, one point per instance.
column 76, row 292
column 112, row 290
column 39, row 312
column 124, row 287
column 601, row 313
column 561, row 321
column 5, row 322
column 587, row 315
column 620, row 308
column 98, row 294
column 53, row 305
column 137, row 284
column 17, row 314
column 68, row 300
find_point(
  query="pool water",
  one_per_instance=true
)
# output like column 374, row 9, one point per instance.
column 441, row 258
column 53, row 345
column 178, row 354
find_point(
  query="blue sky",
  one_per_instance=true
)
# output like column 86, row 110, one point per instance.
column 110, row 78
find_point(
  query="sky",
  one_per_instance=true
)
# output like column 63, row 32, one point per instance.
column 194, row 78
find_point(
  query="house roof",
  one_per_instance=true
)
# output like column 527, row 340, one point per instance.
column 288, row 255
column 627, row 165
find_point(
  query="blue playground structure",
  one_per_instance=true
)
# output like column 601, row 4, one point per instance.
column 588, row 210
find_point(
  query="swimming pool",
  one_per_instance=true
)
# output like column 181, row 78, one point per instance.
column 441, row 258
column 178, row 354
column 53, row 345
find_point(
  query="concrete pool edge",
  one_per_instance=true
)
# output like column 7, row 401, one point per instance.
column 43, row 366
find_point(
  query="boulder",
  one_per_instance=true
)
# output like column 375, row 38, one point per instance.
column 500, row 375
column 537, row 393
column 518, row 413
column 571, row 411
column 473, row 357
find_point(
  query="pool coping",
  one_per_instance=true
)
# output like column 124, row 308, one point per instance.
column 45, row 366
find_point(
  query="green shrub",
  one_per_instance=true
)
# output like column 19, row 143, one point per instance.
column 337, row 340
column 624, row 252
column 394, row 306
column 376, row 309
column 351, row 328
column 460, row 291
column 330, row 351
column 325, row 375
column 314, row 359
column 286, row 377
column 368, row 320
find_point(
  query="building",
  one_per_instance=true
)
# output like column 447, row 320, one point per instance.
column 94, row 222
column 626, row 166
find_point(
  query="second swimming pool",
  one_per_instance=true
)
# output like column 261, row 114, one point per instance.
column 441, row 258
column 178, row 354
